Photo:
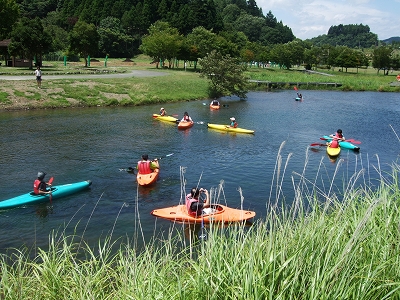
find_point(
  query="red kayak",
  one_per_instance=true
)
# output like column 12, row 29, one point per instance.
column 185, row 124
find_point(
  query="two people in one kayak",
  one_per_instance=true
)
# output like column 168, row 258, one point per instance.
column 336, row 138
column 40, row 186
column 194, row 204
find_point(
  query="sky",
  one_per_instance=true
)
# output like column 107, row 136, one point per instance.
column 311, row 18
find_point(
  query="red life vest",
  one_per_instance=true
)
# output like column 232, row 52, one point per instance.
column 189, row 201
column 144, row 167
column 334, row 143
column 339, row 135
column 36, row 186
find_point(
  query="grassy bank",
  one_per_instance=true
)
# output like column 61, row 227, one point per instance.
column 178, row 85
column 326, row 246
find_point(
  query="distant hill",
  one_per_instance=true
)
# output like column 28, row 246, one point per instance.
column 392, row 39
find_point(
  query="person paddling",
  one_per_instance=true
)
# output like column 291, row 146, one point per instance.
column 145, row 166
column 233, row 123
column 40, row 186
column 338, row 135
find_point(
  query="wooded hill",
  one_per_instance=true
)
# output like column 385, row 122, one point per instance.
column 352, row 36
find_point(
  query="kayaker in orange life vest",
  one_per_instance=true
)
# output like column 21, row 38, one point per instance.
column 233, row 123
column 145, row 166
column 40, row 186
column 194, row 204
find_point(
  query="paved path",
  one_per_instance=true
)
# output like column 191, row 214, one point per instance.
column 135, row 73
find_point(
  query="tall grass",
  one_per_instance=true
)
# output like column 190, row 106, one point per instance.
column 327, row 245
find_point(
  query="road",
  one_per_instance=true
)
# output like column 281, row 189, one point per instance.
column 135, row 73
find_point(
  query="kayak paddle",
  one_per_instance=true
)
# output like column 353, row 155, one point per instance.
column 49, row 183
column 318, row 144
column 349, row 140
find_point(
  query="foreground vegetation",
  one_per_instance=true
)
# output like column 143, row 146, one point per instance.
column 326, row 246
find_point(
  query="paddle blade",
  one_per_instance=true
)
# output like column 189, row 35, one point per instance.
column 51, row 180
column 295, row 88
column 317, row 144
column 353, row 142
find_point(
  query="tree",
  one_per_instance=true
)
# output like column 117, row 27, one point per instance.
column 9, row 14
column 381, row 58
column 113, row 40
column 84, row 40
column 162, row 43
column 226, row 75
column 29, row 40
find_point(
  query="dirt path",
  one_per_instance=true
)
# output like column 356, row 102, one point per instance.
column 134, row 73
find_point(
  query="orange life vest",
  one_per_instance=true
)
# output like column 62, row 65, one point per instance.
column 144, row 167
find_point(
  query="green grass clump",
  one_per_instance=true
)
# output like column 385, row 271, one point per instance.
column 4, row 98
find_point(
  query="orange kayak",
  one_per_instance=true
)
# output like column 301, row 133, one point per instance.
column 147, row 179
column 214, row 107
column 185, row 125
column 219, row 214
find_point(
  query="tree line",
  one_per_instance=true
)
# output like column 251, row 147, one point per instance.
column 172, row 30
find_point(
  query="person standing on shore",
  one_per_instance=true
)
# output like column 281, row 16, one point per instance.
column 38, row 74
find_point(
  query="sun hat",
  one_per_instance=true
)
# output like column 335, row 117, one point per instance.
column 232, row 119
column 162, row 108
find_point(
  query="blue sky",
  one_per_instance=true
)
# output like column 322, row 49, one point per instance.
column 311, row 18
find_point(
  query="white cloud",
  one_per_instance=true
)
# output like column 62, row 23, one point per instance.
column 309, row 19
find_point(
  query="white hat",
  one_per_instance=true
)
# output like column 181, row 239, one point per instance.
column 162, row 108
column 232, row 119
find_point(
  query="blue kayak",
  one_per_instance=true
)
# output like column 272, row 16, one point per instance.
column 343, row 144
column 57, row 192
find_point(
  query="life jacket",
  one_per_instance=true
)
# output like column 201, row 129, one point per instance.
column 144, row 167
column 186, row 118
column 189, row 201
column 38, row 185
column 234, row 124
column 339, row 135
column 334, row 143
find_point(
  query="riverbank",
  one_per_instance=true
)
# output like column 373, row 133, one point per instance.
column 129, row 83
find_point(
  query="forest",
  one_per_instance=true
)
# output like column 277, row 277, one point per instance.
column 168, row 30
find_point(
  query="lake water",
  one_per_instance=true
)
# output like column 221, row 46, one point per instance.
column 94, row 143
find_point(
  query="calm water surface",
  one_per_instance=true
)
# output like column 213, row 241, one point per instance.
column 93, row 143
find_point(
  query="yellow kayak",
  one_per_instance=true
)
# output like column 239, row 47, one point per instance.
column 165, row 118
column 332, row 151
column 227, row 128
